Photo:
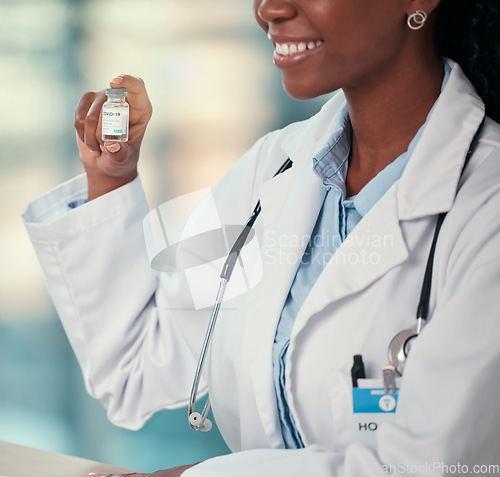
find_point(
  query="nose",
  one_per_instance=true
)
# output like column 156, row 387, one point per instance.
column 268, row 12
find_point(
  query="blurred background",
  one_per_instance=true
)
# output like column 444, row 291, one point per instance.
column 215, row 91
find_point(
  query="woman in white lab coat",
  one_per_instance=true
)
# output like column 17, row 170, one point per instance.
column 371, row 172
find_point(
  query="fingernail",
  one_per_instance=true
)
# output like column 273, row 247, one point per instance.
column 93, row 475
column 95, row 153
column 117, row 80
column 114, row 147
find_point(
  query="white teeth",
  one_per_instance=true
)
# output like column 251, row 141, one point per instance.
column 286, row 49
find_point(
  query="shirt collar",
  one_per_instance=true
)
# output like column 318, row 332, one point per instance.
column 331, row 164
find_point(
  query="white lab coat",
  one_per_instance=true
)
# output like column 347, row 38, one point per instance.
column 138, row 353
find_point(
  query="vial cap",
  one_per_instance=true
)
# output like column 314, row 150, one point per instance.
column 116, row 91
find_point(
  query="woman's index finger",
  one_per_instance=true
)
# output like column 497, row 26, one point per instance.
column 134, row 84
column 136, row 90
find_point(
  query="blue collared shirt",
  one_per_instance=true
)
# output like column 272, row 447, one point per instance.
column 336, row 219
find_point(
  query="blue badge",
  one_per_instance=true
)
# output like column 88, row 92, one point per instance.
column 372, row 406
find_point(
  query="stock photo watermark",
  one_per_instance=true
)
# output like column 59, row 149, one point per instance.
column 438, row 469
column 187, row 239
column 321, row 249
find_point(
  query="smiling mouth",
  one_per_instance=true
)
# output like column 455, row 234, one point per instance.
column 288, row 49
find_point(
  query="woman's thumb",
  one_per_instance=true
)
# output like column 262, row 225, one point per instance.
column 112, row 147
column 118, row 150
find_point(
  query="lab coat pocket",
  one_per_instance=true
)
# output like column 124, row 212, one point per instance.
column 341, row 409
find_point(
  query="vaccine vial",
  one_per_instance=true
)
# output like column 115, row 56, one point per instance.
column 115, row 116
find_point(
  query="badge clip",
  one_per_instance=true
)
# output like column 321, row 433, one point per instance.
column 389, row 377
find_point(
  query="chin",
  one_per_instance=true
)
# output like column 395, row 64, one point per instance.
column 300, row 97
column 299, row 94
column 303, row 91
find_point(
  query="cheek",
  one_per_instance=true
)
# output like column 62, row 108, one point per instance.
column 365, row 41
column 362, row 24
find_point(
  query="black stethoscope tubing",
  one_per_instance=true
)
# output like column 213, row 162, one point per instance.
column 400, row 345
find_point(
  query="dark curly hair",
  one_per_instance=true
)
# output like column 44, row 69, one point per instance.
column 468, row 32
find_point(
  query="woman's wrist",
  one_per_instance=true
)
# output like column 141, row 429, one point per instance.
column 100, row 184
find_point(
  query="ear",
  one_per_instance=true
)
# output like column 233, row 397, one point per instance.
column 428, row 6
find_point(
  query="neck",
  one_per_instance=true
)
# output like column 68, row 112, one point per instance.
column 386, row 113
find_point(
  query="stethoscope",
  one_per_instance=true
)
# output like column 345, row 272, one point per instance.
column 399, row 346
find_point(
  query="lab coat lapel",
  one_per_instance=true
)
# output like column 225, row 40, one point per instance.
column 456, row 117
column 290, row 205
column 375, row 246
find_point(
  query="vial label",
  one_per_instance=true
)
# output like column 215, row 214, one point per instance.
column 115, row 123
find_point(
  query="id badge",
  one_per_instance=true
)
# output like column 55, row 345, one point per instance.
column 372, row 406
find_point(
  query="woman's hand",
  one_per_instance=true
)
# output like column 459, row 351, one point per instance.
column 173, row 472
column 110, row 165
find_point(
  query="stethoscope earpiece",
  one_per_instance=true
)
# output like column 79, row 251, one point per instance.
column 198, row 424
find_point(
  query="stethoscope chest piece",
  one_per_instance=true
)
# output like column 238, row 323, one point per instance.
column 399, row 348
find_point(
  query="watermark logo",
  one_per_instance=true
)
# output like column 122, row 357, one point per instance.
column 187, row 236
column 322, row 248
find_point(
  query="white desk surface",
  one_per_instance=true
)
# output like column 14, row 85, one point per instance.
column 20, row 461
